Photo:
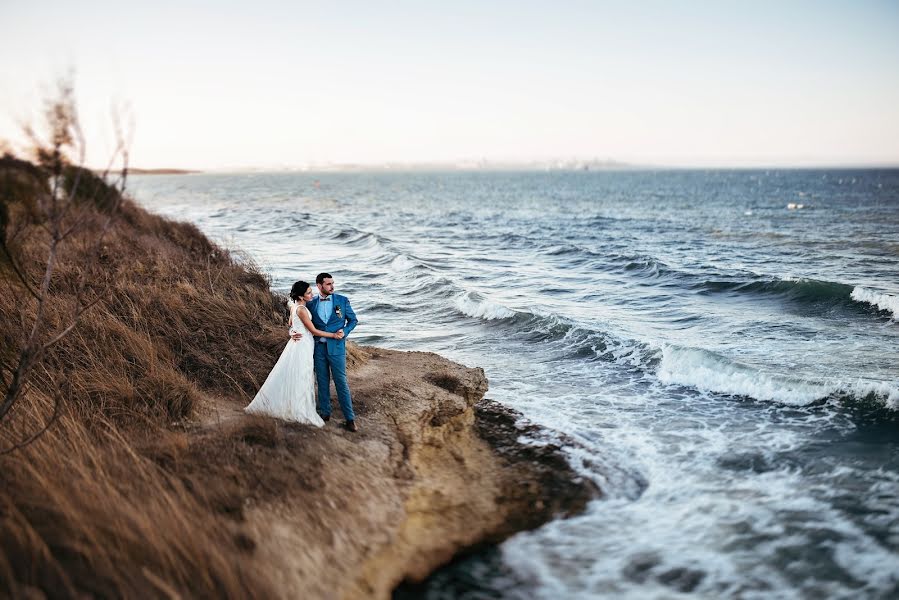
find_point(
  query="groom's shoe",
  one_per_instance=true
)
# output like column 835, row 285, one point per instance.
column 326, row 418
column 351, row 426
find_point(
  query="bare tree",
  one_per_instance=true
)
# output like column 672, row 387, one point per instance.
column 54, row 213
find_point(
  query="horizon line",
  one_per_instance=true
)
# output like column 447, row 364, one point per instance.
column 508, row 166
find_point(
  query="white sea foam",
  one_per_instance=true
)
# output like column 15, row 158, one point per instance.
column 720, row 528
column 402, row 263
column 790, row 277
column 709, row 372
column 482, row 308
column 888, row 393
column 882, row 301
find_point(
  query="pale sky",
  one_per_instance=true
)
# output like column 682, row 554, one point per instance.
column 273, row 84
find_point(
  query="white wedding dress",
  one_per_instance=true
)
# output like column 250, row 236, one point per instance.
column 289, row 390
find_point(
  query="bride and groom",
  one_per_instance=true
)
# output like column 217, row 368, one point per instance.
column 316, row 352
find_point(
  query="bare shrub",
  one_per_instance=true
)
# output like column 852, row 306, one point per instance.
column 55, row 210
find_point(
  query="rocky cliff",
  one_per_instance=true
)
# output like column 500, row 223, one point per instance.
column 434, row 470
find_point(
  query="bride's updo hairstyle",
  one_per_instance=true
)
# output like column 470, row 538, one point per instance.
column 298, row 290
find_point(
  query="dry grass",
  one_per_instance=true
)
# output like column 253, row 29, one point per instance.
column 116, row 500
column 444, row 380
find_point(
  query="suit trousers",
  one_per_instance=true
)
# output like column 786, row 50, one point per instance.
column 327, row 367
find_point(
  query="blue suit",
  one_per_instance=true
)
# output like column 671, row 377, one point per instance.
column 330, row 354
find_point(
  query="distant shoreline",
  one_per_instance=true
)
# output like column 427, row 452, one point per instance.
column 494, row 168
column 439, row 168
column 161, row 171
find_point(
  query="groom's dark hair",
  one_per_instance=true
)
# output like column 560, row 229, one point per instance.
column 320, row 278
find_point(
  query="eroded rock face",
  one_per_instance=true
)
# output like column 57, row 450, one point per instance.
column 433, row 471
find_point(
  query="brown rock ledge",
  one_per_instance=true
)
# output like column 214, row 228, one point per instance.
column 434, row 471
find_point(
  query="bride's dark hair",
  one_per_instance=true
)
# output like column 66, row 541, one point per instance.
column 298, row 290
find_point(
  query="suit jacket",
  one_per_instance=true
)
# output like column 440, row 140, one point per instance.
column 341, row 317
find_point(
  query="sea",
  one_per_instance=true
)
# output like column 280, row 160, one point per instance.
column 718, row 350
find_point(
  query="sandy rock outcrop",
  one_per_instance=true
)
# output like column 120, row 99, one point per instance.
column 434, row 470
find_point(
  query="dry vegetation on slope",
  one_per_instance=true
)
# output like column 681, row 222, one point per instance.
column 89, row 506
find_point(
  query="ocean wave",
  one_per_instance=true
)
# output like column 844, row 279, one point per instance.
column 710, row 372
column 880, row 392
column 692, row 367
column 513, row 240
column 478, row 307
column 359, row 238
column 426, row 285
column 379, row 250
column 647, row 266
column 569, row 250
column 401, row 262
column 885, row 302
column 566, row 339
column 807, row 292
column 801, row 290
column 640, row 265
column 537, row 326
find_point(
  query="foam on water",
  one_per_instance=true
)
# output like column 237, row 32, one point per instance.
column 707, row 371
column 481, row 308
column 694, row 533
column 883, row 391
column 882, row 301
column 402, row 263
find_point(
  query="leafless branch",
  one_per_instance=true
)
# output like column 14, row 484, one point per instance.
column 57, row 411
column 67, row 179
column 29, row 352
column 15, row 267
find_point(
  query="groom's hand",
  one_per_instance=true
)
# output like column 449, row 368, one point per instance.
column 297, row 336
column 339, row 334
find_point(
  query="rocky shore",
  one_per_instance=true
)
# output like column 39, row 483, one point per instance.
column 435, row 470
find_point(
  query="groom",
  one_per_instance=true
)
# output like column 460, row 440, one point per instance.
column 332, row 313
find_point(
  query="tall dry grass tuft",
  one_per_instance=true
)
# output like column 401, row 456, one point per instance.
column 84, row 512
column 105, row 503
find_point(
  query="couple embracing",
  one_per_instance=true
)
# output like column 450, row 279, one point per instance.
column 316, row 352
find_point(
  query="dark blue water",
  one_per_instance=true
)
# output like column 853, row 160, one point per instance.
column 720, row 348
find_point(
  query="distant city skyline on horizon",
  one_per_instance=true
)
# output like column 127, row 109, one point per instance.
column 224, row 86
column 500, row 166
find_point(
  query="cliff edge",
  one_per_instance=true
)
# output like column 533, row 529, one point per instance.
column 434, row 471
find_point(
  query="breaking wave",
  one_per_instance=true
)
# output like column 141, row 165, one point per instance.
column 801, row 290
column 480, row 308
column 885, row 302
column 710, row 372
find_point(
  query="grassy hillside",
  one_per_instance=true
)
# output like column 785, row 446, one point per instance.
column 106, row 502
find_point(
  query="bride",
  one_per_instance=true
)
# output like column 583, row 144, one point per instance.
column 288, row 392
